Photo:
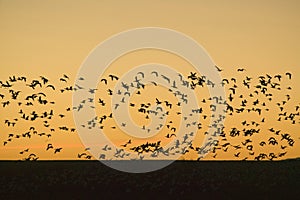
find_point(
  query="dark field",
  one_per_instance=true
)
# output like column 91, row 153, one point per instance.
column 180, row 180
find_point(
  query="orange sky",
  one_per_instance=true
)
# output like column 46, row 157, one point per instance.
column 53, row 38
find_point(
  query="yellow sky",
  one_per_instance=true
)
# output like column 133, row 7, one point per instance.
column 52, row 38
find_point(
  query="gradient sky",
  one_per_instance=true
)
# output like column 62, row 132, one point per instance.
column 52, row 38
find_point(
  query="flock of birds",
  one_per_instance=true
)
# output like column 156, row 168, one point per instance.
column 254, row 104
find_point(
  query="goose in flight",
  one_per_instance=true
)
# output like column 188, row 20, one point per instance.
column 57, row 150
column 142, row 74
column 113, row 77
column 155, row 73
column 289, row 75
column 241, row 69
column 218, row 69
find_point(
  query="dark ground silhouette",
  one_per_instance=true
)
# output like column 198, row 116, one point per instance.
column 180, row 180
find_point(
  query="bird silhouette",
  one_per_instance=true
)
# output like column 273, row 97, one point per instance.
column 113, row 77
column 289, row 75
column 241, row 69
column 57, row 150
column 218, row 69
column 49, row 146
